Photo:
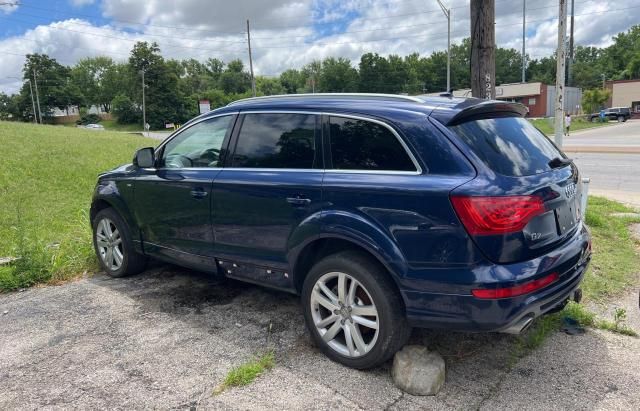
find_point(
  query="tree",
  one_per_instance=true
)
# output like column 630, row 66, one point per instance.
column 98, row 79
column 337, row 75
column 269, row 86
column 593, row 100
column 125, row 110
column 9, row 107
column 293, row 81
column 55, row 88
column 234, row 79
column 164, row 101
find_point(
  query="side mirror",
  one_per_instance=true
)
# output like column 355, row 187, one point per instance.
column 144, row 158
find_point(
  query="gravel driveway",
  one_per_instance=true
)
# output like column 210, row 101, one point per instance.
column 165, row 338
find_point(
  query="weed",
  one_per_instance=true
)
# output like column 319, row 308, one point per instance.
column 246, row 373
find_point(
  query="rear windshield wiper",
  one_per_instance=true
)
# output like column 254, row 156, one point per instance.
column 558, row 162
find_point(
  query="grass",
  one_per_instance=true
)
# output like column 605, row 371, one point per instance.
column 546, row 125
column 47, row 177
column 246, row 373
column 614, row 267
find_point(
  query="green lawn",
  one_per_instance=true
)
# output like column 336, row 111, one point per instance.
column 47, row 175
column 546, row 125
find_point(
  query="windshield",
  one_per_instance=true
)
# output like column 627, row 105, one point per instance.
column 509, row 145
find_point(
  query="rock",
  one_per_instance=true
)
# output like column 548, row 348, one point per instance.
column 5, row 312
column 418, row 371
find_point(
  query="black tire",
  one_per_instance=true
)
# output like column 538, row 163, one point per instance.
column 594, row 119
column 393, row 329
column 621, row 119
column 132, row 262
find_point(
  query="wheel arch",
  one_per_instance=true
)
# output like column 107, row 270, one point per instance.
column 328, row 244
column 106, row 198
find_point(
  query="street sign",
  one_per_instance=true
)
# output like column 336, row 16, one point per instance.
column 204, row 106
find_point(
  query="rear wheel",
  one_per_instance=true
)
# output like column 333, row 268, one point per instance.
column 594, row 119
column 353, row 310
column 620, row 119
column 113, row 245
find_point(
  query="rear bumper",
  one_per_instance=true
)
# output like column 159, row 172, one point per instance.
column 462, row 311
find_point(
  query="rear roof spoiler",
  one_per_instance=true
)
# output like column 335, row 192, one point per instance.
column 486, row 109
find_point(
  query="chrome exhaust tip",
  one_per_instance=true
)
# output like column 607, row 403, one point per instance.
column 520, row 326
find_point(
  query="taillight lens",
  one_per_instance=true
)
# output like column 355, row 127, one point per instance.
column 496, row 215
column 507, row 292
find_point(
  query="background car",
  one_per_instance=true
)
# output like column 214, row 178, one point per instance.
column 619, row 114
column 97, row 127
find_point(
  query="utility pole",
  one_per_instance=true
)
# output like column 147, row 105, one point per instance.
column 447, row 14
column 561, row 55
column 524, row 39
column 144, row 107
column 483, row 49
column 604, row 80
column 571, row 51
column 35, row 81
column 253, row 80
column 33, row 103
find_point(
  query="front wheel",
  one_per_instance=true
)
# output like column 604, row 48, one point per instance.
column 113, row 245
column 353, row 310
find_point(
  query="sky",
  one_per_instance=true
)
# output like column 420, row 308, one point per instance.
column 284, row 33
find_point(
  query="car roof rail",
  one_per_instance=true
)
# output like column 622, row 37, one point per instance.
column 373, row 96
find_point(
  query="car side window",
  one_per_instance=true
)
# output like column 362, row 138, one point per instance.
column 278, row 140
column 364, row 145
column 197, row 146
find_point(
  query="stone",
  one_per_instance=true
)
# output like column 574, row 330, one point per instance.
column 418, row 371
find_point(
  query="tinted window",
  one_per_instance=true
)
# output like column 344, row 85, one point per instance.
column 363, row 145
column 276, row 141
column 510, row 145
column 198, row 145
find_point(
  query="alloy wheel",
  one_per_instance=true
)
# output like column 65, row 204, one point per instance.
column 109, row 244
column 344, row 314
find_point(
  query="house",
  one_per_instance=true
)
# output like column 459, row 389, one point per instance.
column 538, row 97
column 625, row 93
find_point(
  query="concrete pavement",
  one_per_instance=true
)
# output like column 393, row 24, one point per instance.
column 166, row 338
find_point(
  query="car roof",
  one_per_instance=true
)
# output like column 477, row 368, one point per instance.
column 446, row 109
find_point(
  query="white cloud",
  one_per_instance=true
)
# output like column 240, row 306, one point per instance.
column 9, row 7
column 291, row 33
column 80, row 3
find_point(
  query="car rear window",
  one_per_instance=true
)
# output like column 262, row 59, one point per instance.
column 510, row 146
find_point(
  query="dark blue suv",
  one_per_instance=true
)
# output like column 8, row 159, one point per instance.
column 383, row 212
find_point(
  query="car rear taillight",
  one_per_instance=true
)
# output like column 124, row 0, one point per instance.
column 507, row 292
column 496, row 215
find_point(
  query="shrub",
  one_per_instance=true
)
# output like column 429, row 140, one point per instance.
column 89, row 119
column 125, row 110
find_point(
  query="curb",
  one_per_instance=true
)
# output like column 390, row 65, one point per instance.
column 602, row 149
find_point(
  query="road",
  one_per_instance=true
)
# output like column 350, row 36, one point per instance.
column 610, row 157
column 167, row 337
column 622, row 137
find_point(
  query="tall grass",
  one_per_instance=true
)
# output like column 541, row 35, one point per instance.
column 47, row 176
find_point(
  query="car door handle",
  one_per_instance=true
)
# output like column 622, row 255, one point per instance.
column 198, row 193
column 298, row 201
